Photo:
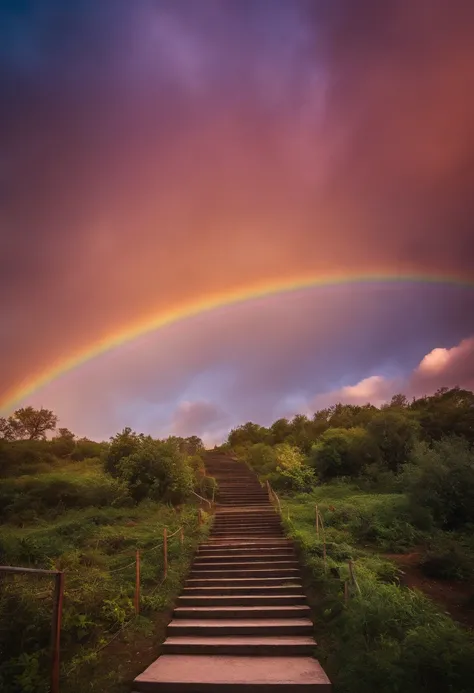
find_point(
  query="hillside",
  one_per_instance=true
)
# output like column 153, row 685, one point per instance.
column 393, row 491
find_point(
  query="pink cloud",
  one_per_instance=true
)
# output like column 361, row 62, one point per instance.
column 441, row 367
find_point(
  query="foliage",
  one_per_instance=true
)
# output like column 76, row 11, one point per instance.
column 28, row 423
column 292, row 472
column 447, row 412
column 28, row 497
column 157, row 470
column 440, row 479
column 248, row 433
column 121, row 445
column 283, row 465
column 387, row 638
column 395, row 434
column 95, row 546
column 343, row 452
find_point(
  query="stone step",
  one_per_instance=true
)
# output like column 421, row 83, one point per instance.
column 254, row 528
column 241, row 486
column 290, row 586
column 242, row 582
column 240, row 626
column 243, row 572
column 244, row 494
column 237, row 612
column 246, row 558
column 249, row 551
column 244, row 645
column 224, row 674
column 240, row 526
column 267, row 599
column 246, row 517
column 246, row 513
column 240, row 534
column 256, row 544
column 220, row 540
column 267, row 564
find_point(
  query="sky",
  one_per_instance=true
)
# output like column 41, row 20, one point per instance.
column 157, row 153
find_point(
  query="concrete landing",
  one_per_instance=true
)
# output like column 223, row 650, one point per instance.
column 221, row 674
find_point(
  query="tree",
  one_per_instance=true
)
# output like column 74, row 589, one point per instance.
column 447, row 412
column 32, row 424
column 64, row 434
column 64, row 442
column 398, row 401
column 301, row 433
column 292, row 469
column 158, row 470
column 280, row 430
column 440, row 478
column 350, row 415
column 122, row 445
column 343, row 452
column 395, row 434
column 6, row 431
column 249, row 433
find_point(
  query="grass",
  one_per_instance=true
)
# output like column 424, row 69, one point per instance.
column 95, row 546
column 386, row 637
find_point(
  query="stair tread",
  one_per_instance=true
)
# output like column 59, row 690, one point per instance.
column 253, row 597
column 257, row 609
column 203, row 670
column 225, row 581
column 242, row 639
column 229, row 623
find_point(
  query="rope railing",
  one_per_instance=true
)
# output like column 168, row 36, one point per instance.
column 201, row 498
column 59, row 593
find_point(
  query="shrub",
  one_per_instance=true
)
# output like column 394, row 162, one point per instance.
column 157, row 470
column 440, row 478
column 448, row 561
column 395, row 434
column 343, row 452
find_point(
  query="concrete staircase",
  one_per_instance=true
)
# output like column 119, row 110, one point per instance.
column 241, row 623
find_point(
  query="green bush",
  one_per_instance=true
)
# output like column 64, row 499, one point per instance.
column 343, row 452
column 158, row 471
column 448, row 561
column 283, row 465
column 24, row 498
column 440, row 479
column 395, row 434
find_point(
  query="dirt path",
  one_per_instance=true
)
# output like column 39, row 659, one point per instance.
column 453, row 596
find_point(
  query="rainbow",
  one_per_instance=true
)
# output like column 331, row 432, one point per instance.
column 204, row 305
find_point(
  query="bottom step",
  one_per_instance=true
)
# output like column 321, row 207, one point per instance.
column 222, row 674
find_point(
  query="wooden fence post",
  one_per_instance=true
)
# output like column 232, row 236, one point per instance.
column 181, row 536
column 137, row 582
column 346, row 592
column 165, row 551
column 317, row 522
column 56, row 629
column 269, row 491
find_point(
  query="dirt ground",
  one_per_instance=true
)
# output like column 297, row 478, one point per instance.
column 451, row 595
